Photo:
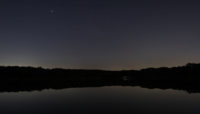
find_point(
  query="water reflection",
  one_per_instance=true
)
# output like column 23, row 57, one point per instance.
column 100, row 100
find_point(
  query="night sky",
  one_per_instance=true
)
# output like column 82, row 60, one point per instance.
column 99, row 34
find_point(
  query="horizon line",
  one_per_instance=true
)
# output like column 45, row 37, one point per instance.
column 48, row 68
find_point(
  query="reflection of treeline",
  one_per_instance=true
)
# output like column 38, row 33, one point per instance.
column 28, row 78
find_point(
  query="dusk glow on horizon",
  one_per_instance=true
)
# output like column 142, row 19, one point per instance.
column 100, row 34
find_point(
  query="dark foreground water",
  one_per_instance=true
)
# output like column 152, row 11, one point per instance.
column 100, row 100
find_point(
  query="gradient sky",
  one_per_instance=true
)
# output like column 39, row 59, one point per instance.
column 99, row 34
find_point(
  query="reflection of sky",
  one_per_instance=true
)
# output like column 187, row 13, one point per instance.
column 100, row 100
column 99, row 34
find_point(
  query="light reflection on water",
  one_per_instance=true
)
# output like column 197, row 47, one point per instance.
column 100, row 100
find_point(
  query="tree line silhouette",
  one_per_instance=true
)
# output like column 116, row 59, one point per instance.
column 14, row 78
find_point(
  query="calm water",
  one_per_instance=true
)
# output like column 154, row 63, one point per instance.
column 102, row 100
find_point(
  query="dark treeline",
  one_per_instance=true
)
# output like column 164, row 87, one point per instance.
column 15, row 79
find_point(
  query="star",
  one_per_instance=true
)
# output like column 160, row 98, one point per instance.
column 52, row 11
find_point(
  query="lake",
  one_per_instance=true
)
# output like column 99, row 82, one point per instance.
column 100, row 100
